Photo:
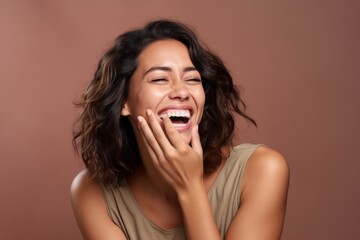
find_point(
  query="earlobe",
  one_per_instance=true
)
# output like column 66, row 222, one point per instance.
column 125, row 110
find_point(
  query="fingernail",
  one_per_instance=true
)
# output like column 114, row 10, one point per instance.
column 148, row 112
column 140, row 119
column 163, row 116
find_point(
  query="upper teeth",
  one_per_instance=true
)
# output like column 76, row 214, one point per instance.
column 176, row 113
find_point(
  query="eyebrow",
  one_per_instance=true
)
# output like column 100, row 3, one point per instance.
column 168, row 69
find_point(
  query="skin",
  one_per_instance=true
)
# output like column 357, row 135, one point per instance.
column 170, row 188
column 165, row 79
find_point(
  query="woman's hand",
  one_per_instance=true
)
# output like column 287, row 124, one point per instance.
column 178, row 162
column 181, row 165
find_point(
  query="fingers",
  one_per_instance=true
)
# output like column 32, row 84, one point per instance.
column 155, row 138
column 177, row 161
column 167, row 141
column 154, row 131
column 195, row 140
column 173, row 135
column 169, row 138
column 149, row 140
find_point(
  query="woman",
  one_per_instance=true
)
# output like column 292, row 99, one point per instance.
column 156, row 134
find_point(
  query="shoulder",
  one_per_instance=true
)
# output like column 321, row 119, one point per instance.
column 268, row 160
column 83, row 184
column 266, row 168
column 90, row 209
column 263, row 197
column 85, row 193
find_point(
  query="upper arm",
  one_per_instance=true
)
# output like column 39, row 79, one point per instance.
column 90, row 210
column 263, row 197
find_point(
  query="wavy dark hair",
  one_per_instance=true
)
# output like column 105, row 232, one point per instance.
column 106, row 139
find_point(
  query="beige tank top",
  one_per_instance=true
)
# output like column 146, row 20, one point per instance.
column 224, row 197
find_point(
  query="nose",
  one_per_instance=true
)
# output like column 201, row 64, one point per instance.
column 179, row 90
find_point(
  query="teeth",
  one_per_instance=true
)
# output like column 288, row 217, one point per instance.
column 176, row 113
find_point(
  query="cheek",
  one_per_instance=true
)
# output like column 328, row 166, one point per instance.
column 200, row 99
column 200, row 102
column 147, row 98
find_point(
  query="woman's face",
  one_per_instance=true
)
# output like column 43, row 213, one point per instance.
column 166, row 82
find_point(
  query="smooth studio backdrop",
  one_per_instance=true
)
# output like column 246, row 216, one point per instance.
column 297, row 62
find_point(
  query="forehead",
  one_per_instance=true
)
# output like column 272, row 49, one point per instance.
column 168, row 51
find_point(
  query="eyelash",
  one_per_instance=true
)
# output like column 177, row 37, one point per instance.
column 159, row 80
column 194, row 80
column 191, row 80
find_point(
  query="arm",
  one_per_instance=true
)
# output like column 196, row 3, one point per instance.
column 181, row 165
column 90, row 210
column 198, row 217
column 263, row 197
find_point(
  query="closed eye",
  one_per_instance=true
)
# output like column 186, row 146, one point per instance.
column 159, row 80
column 193, row 81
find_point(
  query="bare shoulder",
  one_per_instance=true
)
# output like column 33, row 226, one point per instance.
column 263, row 197
column 83, row 184
column 269, row 160
column 266, row 167
column 90, row 209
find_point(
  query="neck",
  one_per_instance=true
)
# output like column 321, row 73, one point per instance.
column 151, row 185
column 147, row 178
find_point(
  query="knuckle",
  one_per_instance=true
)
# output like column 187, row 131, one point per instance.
column 170, row 155
column 183, row 150
column 157, row 134
column 151, row 141
column 160, row 162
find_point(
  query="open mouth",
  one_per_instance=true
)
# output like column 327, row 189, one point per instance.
column 177, row 117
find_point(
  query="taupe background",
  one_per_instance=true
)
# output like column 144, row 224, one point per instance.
column 298, row 64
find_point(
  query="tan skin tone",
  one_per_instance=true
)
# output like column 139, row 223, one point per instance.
column 170, row 188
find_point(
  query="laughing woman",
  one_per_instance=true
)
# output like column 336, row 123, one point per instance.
column 155, row 134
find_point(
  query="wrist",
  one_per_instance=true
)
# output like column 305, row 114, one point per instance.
column 195, row 192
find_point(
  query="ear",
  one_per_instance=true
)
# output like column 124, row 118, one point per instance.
column 125, row 111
